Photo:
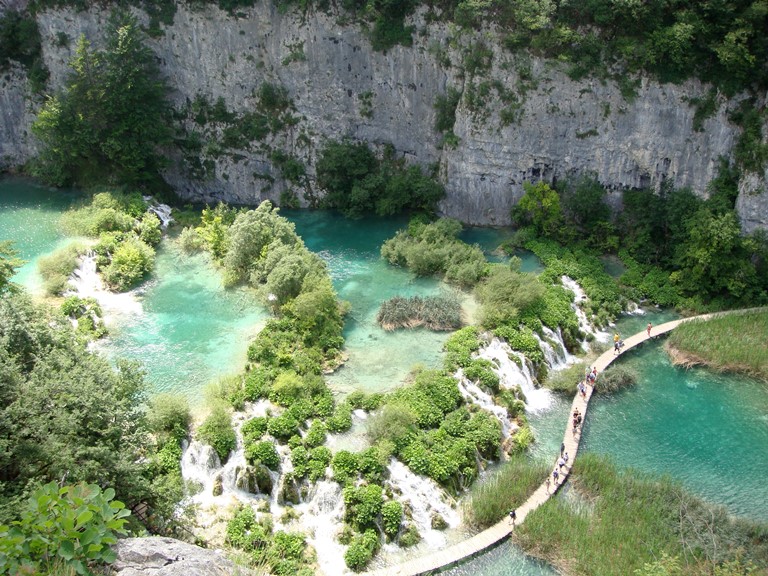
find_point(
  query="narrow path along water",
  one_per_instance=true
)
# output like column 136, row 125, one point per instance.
column 571, row 441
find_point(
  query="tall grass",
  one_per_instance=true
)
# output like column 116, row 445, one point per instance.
column 508, row 488
column 57, row 267
column 733, row 342
column 433, row 312
column 614, row 522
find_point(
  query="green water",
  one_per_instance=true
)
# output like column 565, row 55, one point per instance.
column 29, row 217
column 708, row 431
column 191, row 330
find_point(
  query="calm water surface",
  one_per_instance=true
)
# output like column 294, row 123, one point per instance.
column 709, row 431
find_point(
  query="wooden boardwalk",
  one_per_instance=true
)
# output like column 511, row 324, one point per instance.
column 487, row 538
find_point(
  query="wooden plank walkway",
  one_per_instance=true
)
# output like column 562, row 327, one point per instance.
column 487, row 538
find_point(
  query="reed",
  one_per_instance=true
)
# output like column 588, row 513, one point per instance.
column 616, row 522
column 433, row 312
column 733, row 342
column 57, row 267
column 506, row 488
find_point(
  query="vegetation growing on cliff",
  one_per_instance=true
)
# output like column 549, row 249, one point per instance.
column 356, row 181
column 732, row 342
column 20, row 42
column 107, row 124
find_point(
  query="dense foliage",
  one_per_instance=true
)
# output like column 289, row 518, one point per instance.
column 70, row 527
column 356, row 181
column 66, row 413
column 20, row 42
column 589, row 531
column 108, row 123
column 434, row 248
column 678, row 249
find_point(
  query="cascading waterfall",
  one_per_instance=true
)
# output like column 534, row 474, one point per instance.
column 512, row 374
column 425, row 499
column 584, row 324
column 472, row 393
column 553, row 347
column 85, row 282
column 162, row 211
column 323, row 511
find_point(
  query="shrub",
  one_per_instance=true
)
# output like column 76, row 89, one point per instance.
column 480, row 371
column 254, row 429
column 131, row 261
column 392, row 515
column 363, row 505
column 615, row 378
column 460, row 346
column 361, row 550
column 217, row 432
column 316, row 434
column 341, row 421
column 263, row 452
column 410, row 536
column 283, row 427
column 434, row 313
column 169, row 416
column 168, row 458
column 319, row 459
column 190, row 241
column 344, row 466
column 245, row 532
column 395, row 423
column 72, row 525
column 148, row 229
column 258, row 383
column 300, row 461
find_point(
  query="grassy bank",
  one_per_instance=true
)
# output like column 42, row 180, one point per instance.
column 616, row 522
column 733, row 342
column 507, row 488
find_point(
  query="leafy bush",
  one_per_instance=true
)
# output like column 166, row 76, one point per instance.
column 316, row 434
column 217, row 431
column 361, row 550
column 319, row 459
column 480, row 371
column 392, row 516
column 169, row 416
column 131, row 261
column 363, row 505
column 341, row 421
column 73, row 525
column 254, row 429
column 283, row 427
column 368, row 402
column 615, row 378
column 345, row 466
column 460, row 346
column 263, row 452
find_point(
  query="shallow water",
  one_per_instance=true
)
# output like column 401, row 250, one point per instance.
column 708, row 430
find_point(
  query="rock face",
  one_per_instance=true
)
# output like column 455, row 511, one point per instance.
column 520, row 118
column 158, row 556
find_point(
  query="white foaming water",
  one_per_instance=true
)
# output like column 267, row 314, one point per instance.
column 472, row 393
column 584, row 324
column 553, row 348
column 425, row 498
column 320, row 519
column 162, row 211
column 511, row 374
column 86, row 283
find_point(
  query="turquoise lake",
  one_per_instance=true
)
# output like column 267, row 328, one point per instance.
column 707, row 430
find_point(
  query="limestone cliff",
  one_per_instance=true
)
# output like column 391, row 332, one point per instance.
column 520, row 118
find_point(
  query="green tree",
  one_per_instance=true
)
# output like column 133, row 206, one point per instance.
column 111, row 118
column 64, row 412
column 539, row 208
column 8, row 265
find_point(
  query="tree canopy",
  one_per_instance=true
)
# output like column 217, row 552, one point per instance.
column 107, row 124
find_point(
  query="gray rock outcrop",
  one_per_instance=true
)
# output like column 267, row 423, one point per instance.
column 157, row 556
column 520, row 118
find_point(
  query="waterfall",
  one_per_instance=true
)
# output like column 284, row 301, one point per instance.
column 584, row 323
column 512, row 374
column 321, row 517
column 85, row 282
column 553, row 348
column 162, row 211
column 424, row 498
column 472, row 393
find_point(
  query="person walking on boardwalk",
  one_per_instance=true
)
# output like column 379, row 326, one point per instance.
column 648, row 329
column 562, row 448
column 513, row 516
column 547, row 484
column 560, row 462
column 555, row 476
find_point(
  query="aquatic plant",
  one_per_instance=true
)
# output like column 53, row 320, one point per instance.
column 217, row 432
column 56, row 267
column 432, row 312
column 732, row 342
column 506, row 488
